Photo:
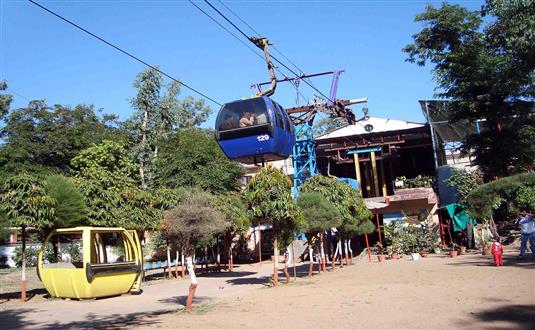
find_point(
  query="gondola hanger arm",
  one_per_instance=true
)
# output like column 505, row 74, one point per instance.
column 263, row 44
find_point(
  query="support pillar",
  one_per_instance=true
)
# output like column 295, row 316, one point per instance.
column 383, row 178
column 374, row 173
column 357, row 170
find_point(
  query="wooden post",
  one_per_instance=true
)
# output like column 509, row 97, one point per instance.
column 260, row 243
column 23, row 276
column 379, row 230
column 374, row 174
column 378, row 226
column 357, row 170
column 368, row 247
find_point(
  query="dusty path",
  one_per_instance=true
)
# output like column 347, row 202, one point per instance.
column 437, row 292
column 157, row 298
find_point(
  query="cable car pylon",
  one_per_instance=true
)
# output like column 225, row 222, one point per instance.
column 302, row 117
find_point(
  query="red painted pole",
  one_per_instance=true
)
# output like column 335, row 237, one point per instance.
column 368, row 247
column 379, row 230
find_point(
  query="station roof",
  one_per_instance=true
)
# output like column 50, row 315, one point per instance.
column 379, row 125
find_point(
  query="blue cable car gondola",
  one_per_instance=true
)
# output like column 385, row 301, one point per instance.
column 254, row 131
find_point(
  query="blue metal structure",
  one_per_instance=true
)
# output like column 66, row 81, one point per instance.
column 304, row 151
column 255, row 131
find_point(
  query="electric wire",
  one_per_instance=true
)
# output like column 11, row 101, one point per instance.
column 273, row 57
column 124, row 52
column 243, row 43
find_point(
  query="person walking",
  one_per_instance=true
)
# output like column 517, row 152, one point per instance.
column 527, row 231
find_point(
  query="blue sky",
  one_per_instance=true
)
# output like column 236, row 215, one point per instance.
column 42, row 57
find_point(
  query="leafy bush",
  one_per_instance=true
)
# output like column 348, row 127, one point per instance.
column 409, row 239
column 31, row 256
column 510, row 194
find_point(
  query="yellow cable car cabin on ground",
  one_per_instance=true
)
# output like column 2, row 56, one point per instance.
column 91, row 262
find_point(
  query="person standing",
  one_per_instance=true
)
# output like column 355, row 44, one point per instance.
column 497, row 252
column 527, row 231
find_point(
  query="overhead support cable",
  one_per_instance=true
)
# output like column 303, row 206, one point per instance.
column 125, row 52
column 273, row 57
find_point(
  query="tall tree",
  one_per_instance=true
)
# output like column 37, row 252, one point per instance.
column 485, row 70
column 158, row 113
column 269, row 199
column 24, row 203
column 349, row 203
column 194, row 218
column 319, row 215
column 40, row 138
column 192, row 157
column 5, row 99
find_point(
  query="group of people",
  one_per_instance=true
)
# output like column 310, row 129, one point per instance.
column 248, row 118
column 527, row 233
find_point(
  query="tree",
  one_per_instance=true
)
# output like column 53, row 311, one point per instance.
column 158, row 114
column 464, row 182
column 269, row 198
column 193, row 218
column 70, row 207
column 44, row 140
column 319, row 215
column 192, row 157
column 5, row 99
column 349, row 203
column 486, row 72
column 233, row 209
column 24, row 203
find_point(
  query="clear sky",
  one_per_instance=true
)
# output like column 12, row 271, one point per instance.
column 42, row 57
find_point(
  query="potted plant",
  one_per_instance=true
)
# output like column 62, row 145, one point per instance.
column 380, row 256
column 453, row 251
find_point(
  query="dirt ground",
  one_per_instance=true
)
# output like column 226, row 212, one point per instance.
column 436, row 292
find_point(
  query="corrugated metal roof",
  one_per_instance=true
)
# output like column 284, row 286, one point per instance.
column 379, row 125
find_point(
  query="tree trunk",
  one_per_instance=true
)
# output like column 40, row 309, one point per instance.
column 311, row 258
column 346, row 252
column 322, row 253
column 23, row 276
column 275, row 262
column 193, row 285
column 169, row 274
column 286, row 261
column 176, row 264
column 218, row 259
column 142, row 147
column 183, row 266
column 335, row 255
column 350, row 251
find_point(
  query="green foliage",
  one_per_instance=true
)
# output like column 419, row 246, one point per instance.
column 32, row 253
column 485, row 69
column 106, row 176
column 42, row 139
column 5, row 99
column 512, row 193
column 464, row 182
column 347, row 200
column 192, row 157
column 409, row 239
column 269, row 198
column 158, row 114
column 195, row 217
column 24, row 202
column 233, row 209
column 70, row 208
column 318, row 213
